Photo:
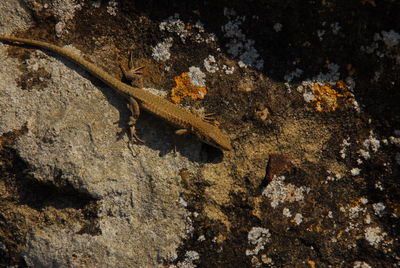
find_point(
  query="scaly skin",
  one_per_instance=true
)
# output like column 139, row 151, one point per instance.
column 156, row 105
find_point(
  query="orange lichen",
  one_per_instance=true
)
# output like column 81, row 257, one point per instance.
column 326, row 96
column 315, row 228
column 339, row 235
column 357, row 202
column 185, row 88
column 312, row 263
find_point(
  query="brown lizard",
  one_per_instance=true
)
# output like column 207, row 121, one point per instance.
column 173, row 114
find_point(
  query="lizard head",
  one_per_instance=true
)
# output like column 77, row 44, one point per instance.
column 213, row 136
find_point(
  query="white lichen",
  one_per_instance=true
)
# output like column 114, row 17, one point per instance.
column 194, row 32
column 378, row 208
column 112, row 7
column 361, row 264
column 64, row 10
column 279, row 192
column 197, row 77
column 298, row 218
column 210, row 63
column 238, row 45
column 161, row 52
column 332, row 76
column 277, row 27
column 227, row 69
column 346, row 143
column 190, row 257
column 372, row 143
column 365, row 154
column 292, row 75
column 390, row 38
column 355, row 171
column 335, row 28
column 257, row 236
column 355, row 212
column 320, row 34
column 286, row 212
column 374, row 235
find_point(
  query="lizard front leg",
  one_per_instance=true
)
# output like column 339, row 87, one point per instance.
column 132, row 73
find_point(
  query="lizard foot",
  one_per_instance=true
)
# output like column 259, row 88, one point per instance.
column 209, row 118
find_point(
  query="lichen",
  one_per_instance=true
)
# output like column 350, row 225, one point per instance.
column 326, row 96
column 185, row 88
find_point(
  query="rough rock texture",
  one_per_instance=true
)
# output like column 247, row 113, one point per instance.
column 71, row 142
column 309, row 101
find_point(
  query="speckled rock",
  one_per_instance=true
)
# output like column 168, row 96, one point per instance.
column 313, row 177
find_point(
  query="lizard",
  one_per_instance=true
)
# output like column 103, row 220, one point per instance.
column 174, row 114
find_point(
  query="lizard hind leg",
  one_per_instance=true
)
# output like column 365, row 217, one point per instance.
column 179, row 132
column 133, row 106
column 208, row 117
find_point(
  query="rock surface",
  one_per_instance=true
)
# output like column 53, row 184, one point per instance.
column 313, row 177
